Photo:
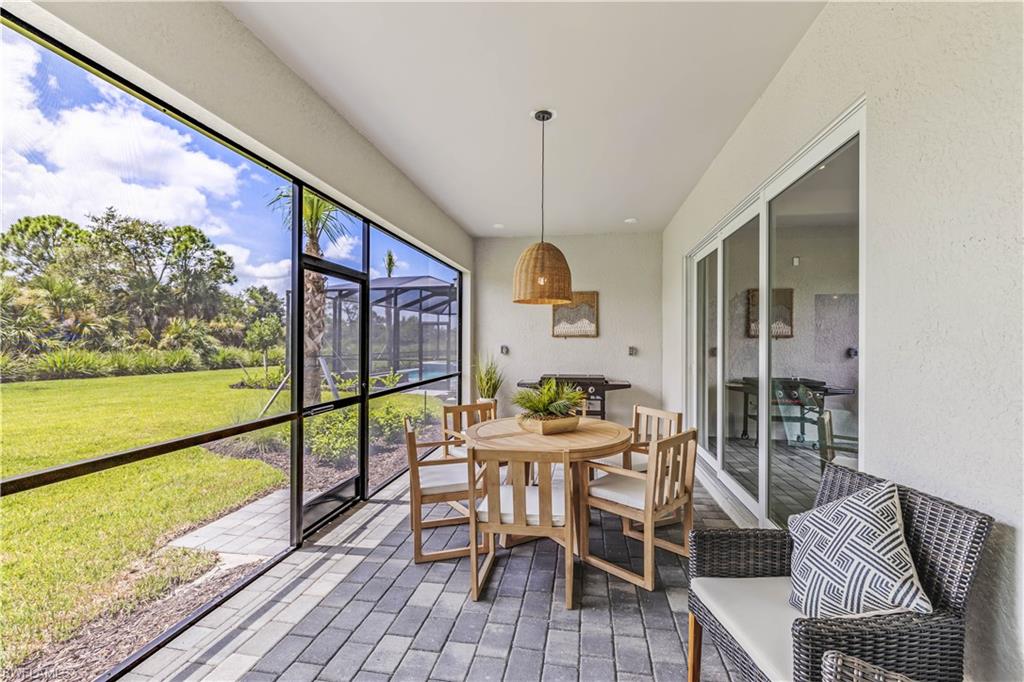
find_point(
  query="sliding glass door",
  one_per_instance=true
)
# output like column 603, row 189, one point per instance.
column 775, row 332
column 814, row 319
column 740, row 282
column 707, row 354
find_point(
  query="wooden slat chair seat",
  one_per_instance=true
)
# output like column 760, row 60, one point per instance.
column 662, row 492
column 525, row 500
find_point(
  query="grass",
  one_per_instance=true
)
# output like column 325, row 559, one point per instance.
column 68, row 549
column 45, row 423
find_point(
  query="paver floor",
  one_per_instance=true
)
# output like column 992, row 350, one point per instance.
column 351, row 604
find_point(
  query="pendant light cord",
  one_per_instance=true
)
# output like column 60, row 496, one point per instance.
column 543, row 127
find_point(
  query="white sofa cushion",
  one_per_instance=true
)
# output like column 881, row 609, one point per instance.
column 758, row 615
column 620, row 489
column 532, row 505
column 444, row 478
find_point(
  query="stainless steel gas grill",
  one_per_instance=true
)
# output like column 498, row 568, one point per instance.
column 596, row 385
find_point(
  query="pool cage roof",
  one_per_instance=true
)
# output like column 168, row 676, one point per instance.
column 417, row 293
column 396, row 298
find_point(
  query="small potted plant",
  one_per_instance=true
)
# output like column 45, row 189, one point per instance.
column 488, row 379
column 550, row 408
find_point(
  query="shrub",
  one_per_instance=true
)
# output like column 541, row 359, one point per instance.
column 271, row 379
column 13, row 367
column 181, row 360
column 387, row 422
column 68, row 363
column 333, row 437
column 231, row 357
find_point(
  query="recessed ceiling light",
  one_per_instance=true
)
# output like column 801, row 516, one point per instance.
column 630, row 221
column 499, row 226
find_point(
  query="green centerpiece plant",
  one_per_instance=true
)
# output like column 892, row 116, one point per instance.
column 550, row 408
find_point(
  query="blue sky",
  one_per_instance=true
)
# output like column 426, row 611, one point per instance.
column 73, row 145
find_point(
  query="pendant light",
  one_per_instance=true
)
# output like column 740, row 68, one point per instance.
column 542, row 275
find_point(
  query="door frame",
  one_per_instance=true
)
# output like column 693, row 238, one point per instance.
column 850, row 124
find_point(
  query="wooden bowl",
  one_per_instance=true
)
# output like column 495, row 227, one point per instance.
column 547, row 427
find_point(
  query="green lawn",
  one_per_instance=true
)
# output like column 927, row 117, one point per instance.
column 54, row 422
column 67, row 548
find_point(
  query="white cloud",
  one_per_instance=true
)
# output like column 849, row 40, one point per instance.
column 52, row 82
column 343, row 248
column 236, row 204
column 104, row 154
column 274, row 274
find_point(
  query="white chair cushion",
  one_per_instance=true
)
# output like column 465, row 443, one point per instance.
column 637, row 461
column 532, row 505
column 757, row 613
column 444, row 478
column 621, row 489
column 456, row 451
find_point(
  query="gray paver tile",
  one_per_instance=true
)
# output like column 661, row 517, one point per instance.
column 388, row 654
column 485, row 669
column 523, row 666
column 631, row 655
column 559, row 673
column 454, row 661
column 416, row 666
column 496, row 640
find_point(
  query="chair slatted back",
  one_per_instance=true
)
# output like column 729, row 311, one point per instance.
column 458, row 418
column 650, row 424
column 670, row 468
column 524, row 469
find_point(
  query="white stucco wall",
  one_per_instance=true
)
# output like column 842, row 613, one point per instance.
column 201, row 59
column 941, row 381
column 625, row 270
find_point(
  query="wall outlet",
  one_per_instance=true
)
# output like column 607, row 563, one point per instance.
column 503, row 350
column 633, row 350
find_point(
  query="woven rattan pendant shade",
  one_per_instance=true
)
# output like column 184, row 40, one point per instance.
column 542, row 276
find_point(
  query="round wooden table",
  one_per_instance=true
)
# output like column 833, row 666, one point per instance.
column 594, row 438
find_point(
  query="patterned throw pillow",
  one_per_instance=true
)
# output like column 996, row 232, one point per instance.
column 850, row 558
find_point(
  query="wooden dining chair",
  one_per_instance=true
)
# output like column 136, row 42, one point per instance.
column 649, row 423
column 433, row 481
column 662, row 491
column 517, row 508
column 458, row 418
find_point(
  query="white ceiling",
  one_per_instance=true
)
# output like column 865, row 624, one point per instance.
column 645, row 95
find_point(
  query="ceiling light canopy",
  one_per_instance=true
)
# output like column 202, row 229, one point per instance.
column 542, row 274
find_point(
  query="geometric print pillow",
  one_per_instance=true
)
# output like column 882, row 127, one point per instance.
column 850, row 558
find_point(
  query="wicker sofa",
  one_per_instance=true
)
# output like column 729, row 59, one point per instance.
column 747, row 622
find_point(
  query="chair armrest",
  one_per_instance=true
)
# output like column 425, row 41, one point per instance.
column 836, row 666
column 920, row 646
column 457, row 437
column 739, row 553
column 435, row 443
column 446, row 460
column 614, row 470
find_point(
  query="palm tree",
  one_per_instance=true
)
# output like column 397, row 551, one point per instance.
column 320, row 218
column 390, row 262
